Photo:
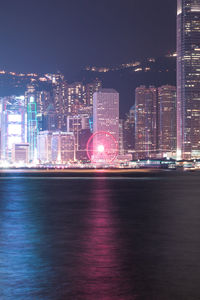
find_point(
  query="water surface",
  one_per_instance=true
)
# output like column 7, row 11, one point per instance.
column 100, row 238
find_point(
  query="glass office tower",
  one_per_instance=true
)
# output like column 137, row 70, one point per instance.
column 188, row 79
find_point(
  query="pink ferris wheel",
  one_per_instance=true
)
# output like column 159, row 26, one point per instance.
column 102, row 147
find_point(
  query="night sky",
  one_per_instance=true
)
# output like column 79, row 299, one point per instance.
column 66, row 35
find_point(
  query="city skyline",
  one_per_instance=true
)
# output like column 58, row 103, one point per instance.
column 99, row 149
column 74, row 110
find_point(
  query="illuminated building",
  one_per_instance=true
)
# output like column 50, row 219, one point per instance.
column 32, row 123
column 85, row 110
column 91, row 88
column 55, row 78
column 13, row 125
column 44, row 141
column 83, row 137
column 167, row 120
column 49, row 118
column 129, row 130
column 43, row 100
column 76, row 123
column 145, row 122
column 20, row 153
column 121, row 136
column 60, row 103
column 62, row 147
column 106, row 114
column 188, row 79
column 75, row 96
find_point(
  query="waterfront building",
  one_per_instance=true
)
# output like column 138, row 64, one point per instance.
column 167, row 121
column 13, row 125
column 188, row 79
column 20, row 153
column 106, row 112
column 62, row 147
column 105, row 119
column 83, row 137
column 32, row 122
column 44, row 144
column 145, row 122
column 76, row 123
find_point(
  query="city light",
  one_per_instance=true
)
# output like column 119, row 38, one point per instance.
column 100, row 148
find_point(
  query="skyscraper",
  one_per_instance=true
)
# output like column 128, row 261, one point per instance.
column 106, row 116
column 145, row 122
column 49, row 118
column 129, row 130
column 188, row 79
column 13, row 125
column 106, row 112
column 60, row 103
column 91, row 88
column 32, row 124
column 166, row 120
column 75, row 96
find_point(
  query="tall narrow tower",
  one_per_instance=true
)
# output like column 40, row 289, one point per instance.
column 188, row 79
column 32, row 126
column 145, row 122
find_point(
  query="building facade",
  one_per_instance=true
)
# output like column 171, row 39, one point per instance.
column 166, row 121
column 62, row 147
column 32, row 125
column 129, row 130
column 91, row 88
column 44, row 140
column 145, row 122
column 20, row 153
column 13, row 125
column 188, row 79
column 106, row 112
column 106, row 120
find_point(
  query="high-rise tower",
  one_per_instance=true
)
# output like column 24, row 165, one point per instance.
column 145, row 122
column 32, row 124
column 106, row 123
column 166, row 121
column 106, row 112
column 188, row 79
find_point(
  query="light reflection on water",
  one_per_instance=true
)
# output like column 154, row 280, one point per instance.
column 79, row 178
column 22, row 270
column 100, row 261
column 108, row 239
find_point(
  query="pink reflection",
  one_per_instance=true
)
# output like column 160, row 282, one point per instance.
column 100, row 264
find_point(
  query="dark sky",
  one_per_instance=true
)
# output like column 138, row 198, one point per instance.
column 45, row 35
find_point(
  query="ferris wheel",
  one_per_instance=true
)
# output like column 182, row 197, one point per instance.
column 102, row 147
